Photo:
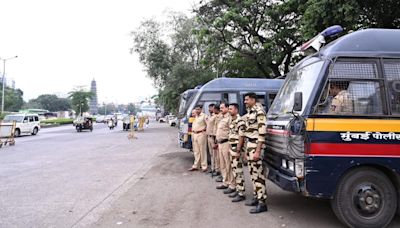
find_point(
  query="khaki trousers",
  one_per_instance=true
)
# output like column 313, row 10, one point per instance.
column 214, row 153
column 226, row 168
column 199, row 150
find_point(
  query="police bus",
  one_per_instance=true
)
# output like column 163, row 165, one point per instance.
column 333, row 130
column 231, row 90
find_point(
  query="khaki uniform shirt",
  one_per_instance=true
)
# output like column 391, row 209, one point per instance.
column 222, row 132
column 341, row 103
column 199, row 123
column 236, row 129
column 255, row 125
column 210, row 124
column 218, row 118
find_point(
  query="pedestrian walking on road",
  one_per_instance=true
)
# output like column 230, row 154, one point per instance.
column 199, row 138
column 255, row 142
column 236, row 133
column 222, row 135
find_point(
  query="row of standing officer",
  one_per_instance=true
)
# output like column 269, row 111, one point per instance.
column 230, row 139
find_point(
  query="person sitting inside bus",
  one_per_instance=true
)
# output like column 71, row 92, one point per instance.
column 341, row 102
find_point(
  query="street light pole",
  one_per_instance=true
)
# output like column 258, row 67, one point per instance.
column 3, row 81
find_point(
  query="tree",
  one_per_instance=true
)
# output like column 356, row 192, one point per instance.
column 13, row 100
column 80, row 99
column 50, row 102
column 132, row 109
column 172, row 56
column 351, row 15
column 107, row 109
column 263, row 31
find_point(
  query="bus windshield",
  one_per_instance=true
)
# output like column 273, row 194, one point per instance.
column 185, row 100
column 301, row 79
column 182, row 104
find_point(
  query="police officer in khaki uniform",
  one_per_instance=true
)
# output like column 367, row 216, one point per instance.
column 236, row 130
column 199, row 138
column 341, row 102
column 255, row 141
column 222, row 135
column 211, row 140
column 218, row 118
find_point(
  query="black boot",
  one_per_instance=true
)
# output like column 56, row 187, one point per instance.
column 233, row 195
column 229, row 191
column 238, row 198
column 261, row 207
column 253, row 202
column 218, row 179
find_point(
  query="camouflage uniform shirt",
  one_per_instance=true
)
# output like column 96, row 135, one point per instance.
column 236, row 129
column 255, row 128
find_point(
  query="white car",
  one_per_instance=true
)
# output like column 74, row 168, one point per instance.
column 172, row 120
column 25, row 123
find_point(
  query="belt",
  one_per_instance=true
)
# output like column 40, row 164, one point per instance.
column 222, row 141
column 197, row 132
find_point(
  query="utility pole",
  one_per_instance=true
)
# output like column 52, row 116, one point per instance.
column 3, row 81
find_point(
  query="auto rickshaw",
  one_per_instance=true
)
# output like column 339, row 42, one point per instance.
column 84, row 123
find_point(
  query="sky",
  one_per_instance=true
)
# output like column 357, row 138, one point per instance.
column 62, row 44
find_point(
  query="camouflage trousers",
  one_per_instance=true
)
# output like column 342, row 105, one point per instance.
column 257, row 176
column 237, row 168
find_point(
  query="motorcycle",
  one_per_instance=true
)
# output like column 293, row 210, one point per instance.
column 111, row 124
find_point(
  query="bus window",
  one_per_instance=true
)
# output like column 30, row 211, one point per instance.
column 230, row 98
column 210, row 97
column 392, row 74
column 347, row 92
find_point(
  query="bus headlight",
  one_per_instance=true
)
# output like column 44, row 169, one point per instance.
column 284, row 164
column 299, row 168
column 291, row 166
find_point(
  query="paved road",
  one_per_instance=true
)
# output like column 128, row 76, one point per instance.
column 61, row 178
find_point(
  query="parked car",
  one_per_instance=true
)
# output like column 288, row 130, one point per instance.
column 25, row 123
column 100, row 119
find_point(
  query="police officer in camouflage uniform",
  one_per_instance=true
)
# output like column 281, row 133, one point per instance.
column 236, row 130
column 255, row 141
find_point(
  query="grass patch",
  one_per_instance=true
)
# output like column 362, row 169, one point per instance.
column 57, row 121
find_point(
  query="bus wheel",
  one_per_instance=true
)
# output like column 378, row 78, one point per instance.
column 365, row 197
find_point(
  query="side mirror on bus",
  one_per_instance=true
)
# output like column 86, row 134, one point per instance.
column 298, row 101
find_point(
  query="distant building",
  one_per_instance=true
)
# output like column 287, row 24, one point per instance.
column 93, row 102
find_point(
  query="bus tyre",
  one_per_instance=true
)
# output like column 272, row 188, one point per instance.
column 365, row 198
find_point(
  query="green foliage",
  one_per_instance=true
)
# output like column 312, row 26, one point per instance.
column 107, row 109
column 80, row 100
column 172, row 60
column 57, row 121
column 351, row 15
column 13, row 99
column 263, row 31
column 132, row 109
column 49, row 102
